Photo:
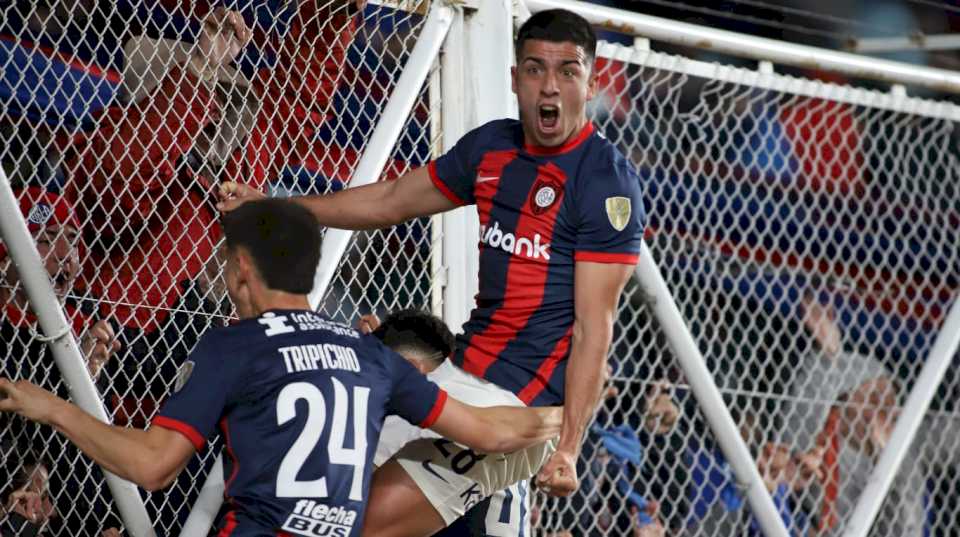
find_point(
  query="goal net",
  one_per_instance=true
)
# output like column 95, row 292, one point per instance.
column 807, row 230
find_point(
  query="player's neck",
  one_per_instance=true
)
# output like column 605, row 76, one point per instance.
column 279, row 300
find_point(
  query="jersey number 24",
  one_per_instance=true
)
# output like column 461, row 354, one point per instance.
column 288, row 486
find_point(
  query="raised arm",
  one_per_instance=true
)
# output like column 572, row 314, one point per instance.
column 137, row 149
column 151, row 458
column 374, row 206
column 597, row 288
column 497, row 429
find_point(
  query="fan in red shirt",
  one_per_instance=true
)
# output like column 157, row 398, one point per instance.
column 143, row 181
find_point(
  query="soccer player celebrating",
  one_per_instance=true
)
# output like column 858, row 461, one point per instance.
column 561, row 224
column 299, row 399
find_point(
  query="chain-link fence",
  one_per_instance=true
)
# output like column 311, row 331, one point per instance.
column 119, row 120
column 808, row 231
column 811, row 243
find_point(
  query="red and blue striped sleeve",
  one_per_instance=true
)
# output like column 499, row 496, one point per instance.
column 454, row 173
column 611, row 214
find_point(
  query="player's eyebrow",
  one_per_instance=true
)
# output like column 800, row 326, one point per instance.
column 541, row 61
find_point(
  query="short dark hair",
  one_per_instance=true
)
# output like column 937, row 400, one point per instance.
column 283, row 238
column 557, row 26
column 418, row 331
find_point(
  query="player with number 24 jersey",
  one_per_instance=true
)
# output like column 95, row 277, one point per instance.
column 295, row 372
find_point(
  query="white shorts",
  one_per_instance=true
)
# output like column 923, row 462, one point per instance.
column 505, row 514
column 454, row 478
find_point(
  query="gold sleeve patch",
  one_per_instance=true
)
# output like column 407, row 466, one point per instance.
column 618, row 211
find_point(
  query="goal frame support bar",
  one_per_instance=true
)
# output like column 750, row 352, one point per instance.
column 66, row 353
column 661, row 304
column 918, row 402
column 757, row 48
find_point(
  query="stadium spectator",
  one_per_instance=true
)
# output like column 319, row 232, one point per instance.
column 635, row 477
column 143, row 178
column 719, row 507
column 867, row 415
column 612, row 476
column 664, row 471
column 843, row 410
column 51, row 220
column 822, row 371
column 26, row 505
column 25, row 496
column 56, row 229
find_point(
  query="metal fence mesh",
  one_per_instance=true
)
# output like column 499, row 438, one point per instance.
column 133, row 112
column 811, row 245
column 810, row 242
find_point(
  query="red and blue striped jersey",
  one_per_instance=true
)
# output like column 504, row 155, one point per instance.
column 541, row 210
column 300, row 402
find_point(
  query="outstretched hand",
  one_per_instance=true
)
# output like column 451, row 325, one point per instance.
column 223, row 36
column 30, row 505
column 233, row 195
column 29, row 400
column 368, row 323
column 98, row 345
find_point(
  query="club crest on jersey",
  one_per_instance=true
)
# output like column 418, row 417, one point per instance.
column 618, row 211
column 184, row 375
column 545, row 194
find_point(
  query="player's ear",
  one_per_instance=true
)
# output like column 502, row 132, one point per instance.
column 513, row 79
column 246, row 270
column 592, row 80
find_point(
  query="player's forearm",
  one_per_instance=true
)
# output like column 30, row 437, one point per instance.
column 498, row 429
column 381, row 204
column 361, row 208
column 521, row 427
column 124, row 452
column 584, row 381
